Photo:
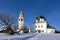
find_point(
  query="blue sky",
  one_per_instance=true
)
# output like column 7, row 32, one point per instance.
column 50, row 9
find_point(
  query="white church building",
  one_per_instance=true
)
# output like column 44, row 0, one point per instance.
column 21, row 24
column 41, row 26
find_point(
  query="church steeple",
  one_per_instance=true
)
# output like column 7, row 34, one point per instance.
column 21, row 14
column 21, row 20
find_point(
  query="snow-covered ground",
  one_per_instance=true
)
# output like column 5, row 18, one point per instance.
column 30, row 36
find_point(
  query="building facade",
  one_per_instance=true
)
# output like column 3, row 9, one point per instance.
column 21, row 22
column 41, row 26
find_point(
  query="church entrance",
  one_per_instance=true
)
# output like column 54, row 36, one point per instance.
column 39, row 31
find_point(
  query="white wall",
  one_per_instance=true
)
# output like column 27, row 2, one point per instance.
column 50, row 30
column 20, row 23
column 41, row 26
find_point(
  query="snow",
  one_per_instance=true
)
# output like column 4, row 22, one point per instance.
column 30, row 36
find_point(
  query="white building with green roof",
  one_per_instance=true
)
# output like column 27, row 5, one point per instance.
column 41, row 26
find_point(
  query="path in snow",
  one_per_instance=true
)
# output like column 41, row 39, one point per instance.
column 17, row 37
column 31, row 36
column 25, row 38
column 46, row 37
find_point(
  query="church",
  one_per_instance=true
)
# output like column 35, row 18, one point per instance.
column 41, row 26
column 21, row 24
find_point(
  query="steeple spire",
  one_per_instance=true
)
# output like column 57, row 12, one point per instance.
column 21, row 20
column 21, row 13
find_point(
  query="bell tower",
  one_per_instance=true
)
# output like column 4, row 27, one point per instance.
column 21, row 20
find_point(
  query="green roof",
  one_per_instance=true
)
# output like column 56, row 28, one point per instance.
column 50, row 27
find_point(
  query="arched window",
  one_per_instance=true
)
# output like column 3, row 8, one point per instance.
column 21, row 19
column 38, row 26
column 41, row 26
column 42, row 30
column 35, row 26
column 52, row 31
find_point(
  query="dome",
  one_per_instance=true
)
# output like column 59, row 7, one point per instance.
column 37, row 18
column 42, row 17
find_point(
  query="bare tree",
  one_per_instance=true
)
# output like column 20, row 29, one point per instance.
column 6, row 20
column 15, row 27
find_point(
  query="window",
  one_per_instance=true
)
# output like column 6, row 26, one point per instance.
column 35, row 26
column 21, row 19
column 38, row 26
column 42, row 31
column 52, row 31
column 41, row 26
